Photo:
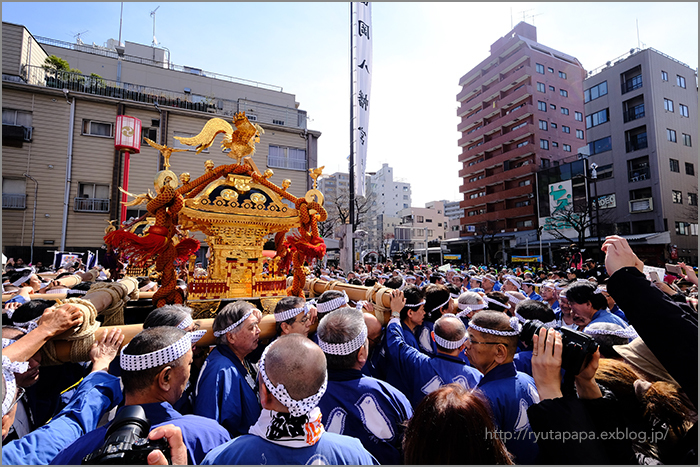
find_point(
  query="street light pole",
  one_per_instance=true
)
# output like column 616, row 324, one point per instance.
column 594, row 177
column 36, row 191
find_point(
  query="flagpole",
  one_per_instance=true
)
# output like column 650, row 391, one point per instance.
column 351, row 169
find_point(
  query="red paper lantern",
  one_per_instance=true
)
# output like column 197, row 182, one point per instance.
column 127, row 136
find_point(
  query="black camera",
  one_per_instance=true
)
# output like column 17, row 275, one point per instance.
column 577, row 347
column 127, row 440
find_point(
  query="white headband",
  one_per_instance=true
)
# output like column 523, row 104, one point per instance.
column 148, row 286
column 288, row 314
column 471, row 307
column 443, row 304
column 28, row 326
column 9, row 368
column 548, row 324
column 403, row 283
column 162, row 356
column 27, row 274
column 514, row 323
column 627, row 333
column 454, row 295
column 6, row 342
column 513, row 299
column 234, row 325
column 334, row 304
column 296, row 408
column 66, row 290
column 185, row 323
column 417, row 305
column 444, row 343
column 345, row 348
column 496, row 302
column 512, row 280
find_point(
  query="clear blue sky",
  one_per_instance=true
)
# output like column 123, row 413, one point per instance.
column 420, row 52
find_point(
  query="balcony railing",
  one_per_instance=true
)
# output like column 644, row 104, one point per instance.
column 638, row 175
column 91, row 205
column 262, row 113
column 634, row 144
column 285, row 163
column 634, row 113
column 14, row 201
column 632, row 84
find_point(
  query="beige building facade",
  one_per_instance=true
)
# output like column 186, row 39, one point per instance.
column 58, row 135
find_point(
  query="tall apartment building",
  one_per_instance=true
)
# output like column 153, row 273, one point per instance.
column 427, row 227
column 521, row 109
column 642, row 128
column 58, row 129
column 390, row 197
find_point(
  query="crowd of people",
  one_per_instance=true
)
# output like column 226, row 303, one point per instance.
column 474, row 365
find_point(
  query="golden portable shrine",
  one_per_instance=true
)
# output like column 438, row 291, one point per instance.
column 237, row 208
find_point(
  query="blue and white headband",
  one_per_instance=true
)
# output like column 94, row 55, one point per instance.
column 291, row 313
column 548, row 324
column 514, row 323
column 513, row 280
column 345, row 348
column 9, row 368
column 185, row 323
column 496, row 302
column 416, row 305
column 513, row 299
column 471, row 306
column 627, row 333
column 26, row 275
column 444, row 343
column 334, row 304
column 162, row 356
column 297, row 408
column 234, row 325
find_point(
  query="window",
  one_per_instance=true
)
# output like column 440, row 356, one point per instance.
column 692, row 199
column 578, row 116
column 668, row 104
column 17, row 127
column 93, row 128
column 597, row 118
column 524, row 183
column 550, row 69
column 664, row 76
column 605, row 171
column 544, row 163
column 567, row 148
column 564, row 92
column 520, row 204
column 16, row 117
column 552, row 106
column 543, row 125
column 555, row 144
column 520, row 224
column 579, row 134
column 286, row 158
column 689, row 168
column 542, row 106
column 552, row 88
column 677, row 197
column 565, row 111
column 565, row 129
column 600, row 145
column 680, row 81
column 686, row 140
column 539, row 68
column 92, row 197
column 674, row 165
column 522, row 143
column 682, row 228
column 516, row 127
column 683, row 110
column 671, row 135
column 554, row 125
column 595, row 92
column 278, row 122
column 419, row 219
column 562, row 74
column 14, row 193
column 544, row 144
column 540, row 87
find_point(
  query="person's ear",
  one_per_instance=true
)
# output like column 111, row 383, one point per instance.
column 231, row 338
column 501, row 353
column 284, row 327
column 164, row 378
column 363, row 353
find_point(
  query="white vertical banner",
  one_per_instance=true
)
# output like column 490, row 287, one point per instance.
column 362, row 67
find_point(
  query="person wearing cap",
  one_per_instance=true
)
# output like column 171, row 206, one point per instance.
column 356, row 405
column 289, row 430
column 491, row 342
column 419, row 373
column 155, row 370
column 97, row 393
column 226, row 390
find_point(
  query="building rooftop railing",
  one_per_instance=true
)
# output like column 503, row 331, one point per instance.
column 256, row 111
column 633, row 51
column 111, row 53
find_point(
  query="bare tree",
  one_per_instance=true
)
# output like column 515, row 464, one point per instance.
column 577, row 217
column 338, row 209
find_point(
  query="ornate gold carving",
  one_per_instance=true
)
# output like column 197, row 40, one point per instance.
column 204, row 309
column 257, row 198
column 269, row 304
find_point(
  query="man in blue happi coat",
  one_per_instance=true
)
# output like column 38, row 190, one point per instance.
column 155, row 370
column 226, row 390
column 492, row 340
column 365, row 408
column 292, row 374
column 420, row 373
column 529, row 290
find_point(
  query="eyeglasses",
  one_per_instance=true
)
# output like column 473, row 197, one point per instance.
column 470, row 341
column 20, row 393
column 303, row 319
